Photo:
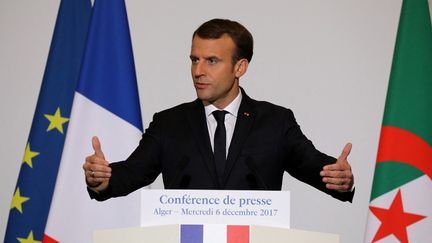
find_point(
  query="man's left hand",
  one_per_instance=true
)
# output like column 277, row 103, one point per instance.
column 338, row 176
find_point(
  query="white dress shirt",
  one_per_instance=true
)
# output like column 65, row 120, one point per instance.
column 230, row 120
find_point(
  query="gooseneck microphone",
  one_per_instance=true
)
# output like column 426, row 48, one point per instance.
column 254, row 169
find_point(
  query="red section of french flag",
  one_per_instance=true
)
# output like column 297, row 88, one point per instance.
column 238, row 233
column 48, row 239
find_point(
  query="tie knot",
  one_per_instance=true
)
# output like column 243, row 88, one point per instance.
column 219, row 116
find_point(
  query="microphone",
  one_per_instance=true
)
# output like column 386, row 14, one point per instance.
column 254, row 169
column 180, row 168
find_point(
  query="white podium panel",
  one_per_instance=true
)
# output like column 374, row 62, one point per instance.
column 150, row 234
column 214, row 216
column 263, row 234
column 269, row 208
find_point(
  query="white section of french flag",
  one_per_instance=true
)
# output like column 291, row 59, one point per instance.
column 215, row 233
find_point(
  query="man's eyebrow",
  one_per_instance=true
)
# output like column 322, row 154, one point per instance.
column 207, row 57
column 212, row 57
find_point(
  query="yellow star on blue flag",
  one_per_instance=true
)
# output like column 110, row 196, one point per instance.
column 18, row 200
column 29, row 155
column 29, row 239
column 56, row 121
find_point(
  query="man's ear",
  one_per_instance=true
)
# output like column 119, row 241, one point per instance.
column 241, row 67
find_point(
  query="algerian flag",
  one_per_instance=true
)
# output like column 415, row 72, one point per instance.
column 401, row 200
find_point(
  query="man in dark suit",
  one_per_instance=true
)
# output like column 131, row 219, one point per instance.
column 223, row 139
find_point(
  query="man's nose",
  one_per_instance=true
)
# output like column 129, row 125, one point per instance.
column 198, row 70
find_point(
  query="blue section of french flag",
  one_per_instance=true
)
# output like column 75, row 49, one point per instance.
column 108, row 71
column 106, row 104
column 191, row 233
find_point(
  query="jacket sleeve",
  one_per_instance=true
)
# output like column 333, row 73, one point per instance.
column 303, row 161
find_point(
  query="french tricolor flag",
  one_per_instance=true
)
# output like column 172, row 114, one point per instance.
column 214, row 233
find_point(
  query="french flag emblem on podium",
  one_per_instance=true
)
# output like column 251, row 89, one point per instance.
column 214, row 233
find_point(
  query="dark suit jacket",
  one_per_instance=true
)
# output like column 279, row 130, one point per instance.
column 267, row 141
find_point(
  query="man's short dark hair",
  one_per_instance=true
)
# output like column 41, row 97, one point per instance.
column 215, row 28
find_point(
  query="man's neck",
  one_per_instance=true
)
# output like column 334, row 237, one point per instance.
column 222, row 103
column 232, row 107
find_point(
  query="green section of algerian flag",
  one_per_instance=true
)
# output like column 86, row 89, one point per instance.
column 390, row 175
column 409, row 96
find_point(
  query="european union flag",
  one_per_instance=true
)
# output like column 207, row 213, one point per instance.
column 32, row 197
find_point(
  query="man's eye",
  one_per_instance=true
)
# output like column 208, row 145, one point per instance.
column 212, row 61
column 194, row 60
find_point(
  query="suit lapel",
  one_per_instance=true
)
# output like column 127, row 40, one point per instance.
column 198, row 123
column 245, row 119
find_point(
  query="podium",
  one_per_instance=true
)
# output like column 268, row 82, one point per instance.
column 171, row 234
column 218, row 216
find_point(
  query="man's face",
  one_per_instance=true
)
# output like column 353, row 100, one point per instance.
column 214, row 75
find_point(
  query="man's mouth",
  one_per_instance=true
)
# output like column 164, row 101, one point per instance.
column 201, row 85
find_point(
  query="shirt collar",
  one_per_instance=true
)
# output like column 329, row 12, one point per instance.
column 232, row 108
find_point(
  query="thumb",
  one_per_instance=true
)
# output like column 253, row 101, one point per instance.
column 345, row 152
column 97, row 147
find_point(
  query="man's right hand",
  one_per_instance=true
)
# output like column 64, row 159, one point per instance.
column 96, row 169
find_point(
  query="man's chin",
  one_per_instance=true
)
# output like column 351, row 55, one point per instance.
column 202, row 95
column 204, row 98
